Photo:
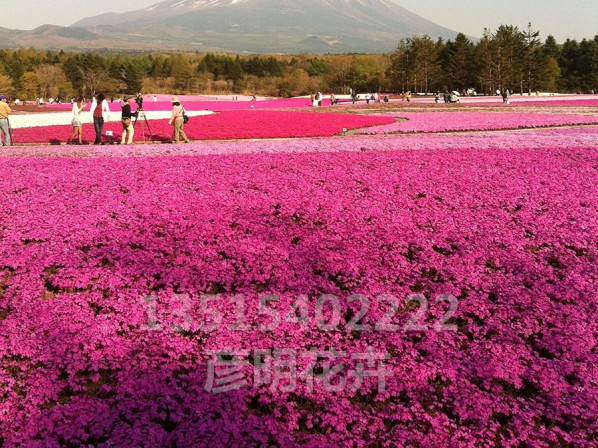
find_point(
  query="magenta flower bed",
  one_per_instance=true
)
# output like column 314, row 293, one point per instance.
column 234, row 105
column 206, row 104
column 221, row 126
column 210, row 103
column 510, row 233
column 477, row 121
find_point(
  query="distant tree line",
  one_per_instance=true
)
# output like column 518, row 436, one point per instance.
column 506, row 58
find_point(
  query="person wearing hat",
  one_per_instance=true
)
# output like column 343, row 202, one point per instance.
column 4, row 125
column 126, row 121
column 176, row 119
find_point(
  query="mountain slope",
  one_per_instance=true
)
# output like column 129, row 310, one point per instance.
column 274, row 25
column 258, row 26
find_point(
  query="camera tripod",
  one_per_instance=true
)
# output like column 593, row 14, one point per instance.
column 138, row 114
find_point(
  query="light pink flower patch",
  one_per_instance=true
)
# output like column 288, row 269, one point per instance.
column 477, row 121
column 569, row 137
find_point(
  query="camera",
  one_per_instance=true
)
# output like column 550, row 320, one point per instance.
column 139, row 101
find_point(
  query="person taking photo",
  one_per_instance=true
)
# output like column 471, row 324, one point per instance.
column 126, row 120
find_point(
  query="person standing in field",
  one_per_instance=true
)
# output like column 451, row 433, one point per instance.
column 176, row 119
column 4, row 124
column 78, row 107
column 100, row 112
column 126, row 121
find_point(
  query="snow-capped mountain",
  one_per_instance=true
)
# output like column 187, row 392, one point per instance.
column 258, row 26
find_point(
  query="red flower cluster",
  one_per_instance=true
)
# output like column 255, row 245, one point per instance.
column 220, row 126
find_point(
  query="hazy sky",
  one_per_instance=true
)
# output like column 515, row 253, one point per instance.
column 571, row 18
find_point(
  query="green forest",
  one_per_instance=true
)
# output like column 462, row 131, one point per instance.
column 505, row 58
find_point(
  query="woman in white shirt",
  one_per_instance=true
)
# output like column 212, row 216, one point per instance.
column 78, row 107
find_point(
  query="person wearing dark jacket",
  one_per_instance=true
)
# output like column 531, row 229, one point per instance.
column 126, row 120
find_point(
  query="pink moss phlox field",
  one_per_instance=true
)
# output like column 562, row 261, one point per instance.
column 221, row 126
column 220, row 104
column 235, row 105
column 207, row 104
column 510, row 232
column 517, row 101
column 541, row 138
column 572, row 103
column 477, row 121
